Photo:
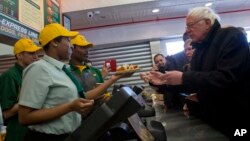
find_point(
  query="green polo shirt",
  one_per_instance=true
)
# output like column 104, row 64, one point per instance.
column 88, row 76
column 10, row 84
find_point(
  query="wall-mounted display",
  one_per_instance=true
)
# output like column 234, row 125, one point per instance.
column 9, row 8
column 66, row 22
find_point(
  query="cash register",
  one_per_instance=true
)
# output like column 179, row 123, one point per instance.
column 123, row 103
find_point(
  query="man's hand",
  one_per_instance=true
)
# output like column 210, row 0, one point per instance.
column 193, row 97
column 105, row 71
column 172, row 78
column 155, row 68
column 155, row 77
column 145, row 76
column 11, row 112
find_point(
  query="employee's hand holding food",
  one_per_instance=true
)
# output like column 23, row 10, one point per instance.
column 125, row 70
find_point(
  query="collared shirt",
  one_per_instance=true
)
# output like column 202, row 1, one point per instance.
column 10, row 85
column 81, row 68
column 45, row 85
column 88, row 77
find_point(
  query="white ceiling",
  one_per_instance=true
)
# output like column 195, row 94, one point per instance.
column 119, row 12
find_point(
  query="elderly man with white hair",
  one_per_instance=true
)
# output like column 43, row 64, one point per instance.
column 219, row 72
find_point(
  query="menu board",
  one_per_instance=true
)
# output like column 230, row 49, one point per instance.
column 9, row 8
column 31, row 13
column 51, row 11
column 25, row 18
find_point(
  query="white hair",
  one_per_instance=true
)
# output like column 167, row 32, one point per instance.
column 188, row 41
column 205, row 13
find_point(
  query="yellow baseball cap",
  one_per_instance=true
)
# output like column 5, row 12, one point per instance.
column 51, row 31
column 26, row 45
column 80, row 40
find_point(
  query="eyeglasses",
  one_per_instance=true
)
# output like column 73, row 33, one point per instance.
column 192, row 24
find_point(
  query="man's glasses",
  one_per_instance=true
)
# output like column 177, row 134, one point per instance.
column 192, row 24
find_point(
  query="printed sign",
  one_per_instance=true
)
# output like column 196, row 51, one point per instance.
column 14, row 29
column 31, row 13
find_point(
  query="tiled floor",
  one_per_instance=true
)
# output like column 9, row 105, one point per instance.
column 180, row 128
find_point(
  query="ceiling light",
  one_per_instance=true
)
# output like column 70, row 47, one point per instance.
column 155, row 10
column 209, row 4
column 96, row 12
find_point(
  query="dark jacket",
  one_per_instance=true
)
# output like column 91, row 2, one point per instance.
column 177, row 61
column 220, row 76
column 171, row 97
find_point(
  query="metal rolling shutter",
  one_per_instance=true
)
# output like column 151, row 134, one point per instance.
column 6, row 62
column 139, row 54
